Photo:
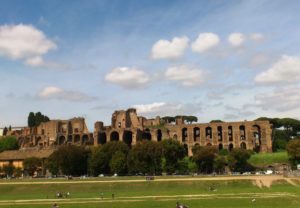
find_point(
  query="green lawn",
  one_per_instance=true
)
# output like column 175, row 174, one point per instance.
column 262, row 159
column 160, row 194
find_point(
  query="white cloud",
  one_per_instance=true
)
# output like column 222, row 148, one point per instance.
column 127, row 77
column 205, row 41
column 185, row 75
column 286, row 69
column 281, row 99
column 256, row 37
column 24, row 42
column 164, row 49
column 167, row 109
column 56, row 93
column 236, row 39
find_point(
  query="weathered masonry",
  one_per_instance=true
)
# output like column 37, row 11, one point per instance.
column 130, row 128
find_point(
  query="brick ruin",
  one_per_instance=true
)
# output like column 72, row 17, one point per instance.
column 130, row 128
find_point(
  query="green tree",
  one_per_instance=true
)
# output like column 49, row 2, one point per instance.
column 168, row 119
column 5, row 130
column 293, row 149
column 216, row 121
column 35, row 119
column 70, row 160
column 118, row 163
column 31, row 119
column 145, row 157
column 101, row 156
column 8, row 143
column 220, row 162
column 172, row 151
column 237, row 160
column 8, row 170
column 204, row 158
column 31, row 165
column 18, row 172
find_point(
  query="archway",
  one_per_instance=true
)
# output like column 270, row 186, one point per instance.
column 127, row 137
column 242, row 132
column 184, row 134
column 61, row 140
column 208, row 133
column 85, row 139
column 196, row 134
column 220, row 146
column 159, row 135
column 77, row 138
column 37, row 139
column 220, row 133
column 146, row 135
column 114, row 136
column 186, row 149
column 230, row 147
column 175, row 136
column 208, row 144
column 230, row 137
column 101, row 138
column 70, row 139
column 257, row 138
column 243, row 145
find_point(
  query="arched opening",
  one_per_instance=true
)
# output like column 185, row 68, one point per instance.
column 37, row 140
column 220, row 146
column 85, row 139
column 70, row 139
column 101, row 138
column 61, row 140
column 76, row 138
column 208, row 144
column 186, row 149
column 197, row 144
column 257, row 138
column 196, row 134
column 208, row 133
column 127, row 137
column 184, row 134
column 243, row 145
column 159, row 135
column 242, row 132
column 220, row 133
column 114, row 136
column 146, row 135
column 175, row 136
column 230, row 137
column 230, row 147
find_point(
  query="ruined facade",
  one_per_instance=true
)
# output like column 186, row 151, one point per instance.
column 130, row 128
column 55, row 132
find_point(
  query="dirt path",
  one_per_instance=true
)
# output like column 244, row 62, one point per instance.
column 266, row 180
column 249, row 196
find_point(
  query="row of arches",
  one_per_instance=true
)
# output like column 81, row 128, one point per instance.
column 208, row 133
column 73, row 139
column 128, row 136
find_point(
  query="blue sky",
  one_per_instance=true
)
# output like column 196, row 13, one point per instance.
column 229, row 60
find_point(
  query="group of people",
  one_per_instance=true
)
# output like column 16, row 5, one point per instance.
column 62, row 195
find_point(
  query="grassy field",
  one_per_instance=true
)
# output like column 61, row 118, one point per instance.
column 142, row 194
column 262, row 159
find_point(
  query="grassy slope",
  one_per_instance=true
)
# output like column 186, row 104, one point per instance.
column 268, row 158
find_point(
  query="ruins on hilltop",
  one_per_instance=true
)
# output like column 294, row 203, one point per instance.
column 130, row 128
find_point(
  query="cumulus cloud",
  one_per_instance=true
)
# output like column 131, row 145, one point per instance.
column 127, row 77
column 164, row 49
column 24, row 42
column 286, row 69
column 164, row 109
column 205, row 41
column 236, row 39
column 56, row 93
column 256, row 37
column 281, row 99
column 185, row 75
